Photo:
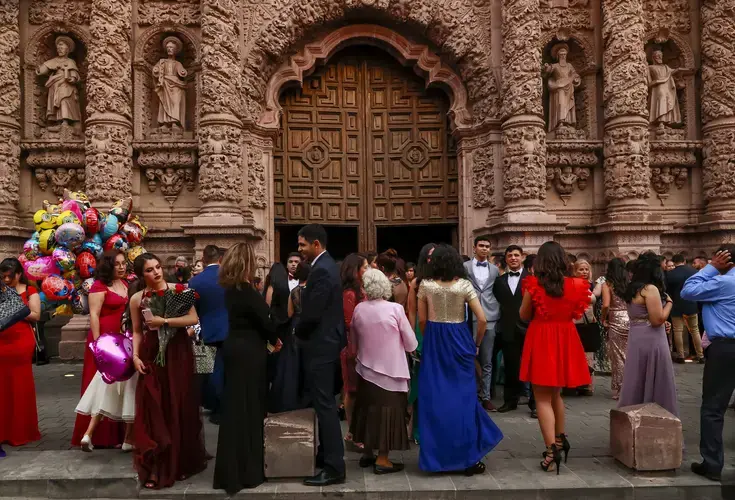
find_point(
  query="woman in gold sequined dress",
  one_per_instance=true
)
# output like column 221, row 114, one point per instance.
column 615, row 318
column 456, row 432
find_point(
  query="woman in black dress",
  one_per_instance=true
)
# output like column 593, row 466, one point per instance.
column 240, row 445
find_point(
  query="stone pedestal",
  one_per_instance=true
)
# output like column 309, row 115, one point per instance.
column 74, row 338
column 290, row 444
column 646, row 437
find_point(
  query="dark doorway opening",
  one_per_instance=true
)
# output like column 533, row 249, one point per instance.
column 341, row 241
column 408, row 240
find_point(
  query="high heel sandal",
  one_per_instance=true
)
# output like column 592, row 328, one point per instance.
column 563, row 443
column 478, row 468
column 552, row 455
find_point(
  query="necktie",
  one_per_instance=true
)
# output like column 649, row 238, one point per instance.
column 481, row 264
column 514, row 274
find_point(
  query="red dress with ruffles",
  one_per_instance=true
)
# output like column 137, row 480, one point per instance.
column 348, row 356
column 553, row 355
column 18, row 413
column 108, row 433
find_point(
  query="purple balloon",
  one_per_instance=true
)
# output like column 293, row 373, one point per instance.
column 113, row 355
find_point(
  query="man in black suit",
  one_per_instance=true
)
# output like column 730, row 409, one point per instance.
column 510, row 328
column 321, row 330
column 684, row 313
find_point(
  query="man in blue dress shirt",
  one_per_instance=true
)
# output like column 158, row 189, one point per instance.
column 714, row 287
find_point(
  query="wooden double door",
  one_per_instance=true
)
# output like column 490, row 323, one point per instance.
column 365, row 145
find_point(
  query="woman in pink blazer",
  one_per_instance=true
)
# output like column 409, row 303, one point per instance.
column 383, row 336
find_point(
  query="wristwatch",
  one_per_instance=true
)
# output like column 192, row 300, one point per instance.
column 165, row 323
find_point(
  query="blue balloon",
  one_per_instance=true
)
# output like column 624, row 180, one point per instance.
column 109, row 227
column 46, row 304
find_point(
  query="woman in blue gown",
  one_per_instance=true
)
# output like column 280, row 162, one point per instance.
column 456, row 432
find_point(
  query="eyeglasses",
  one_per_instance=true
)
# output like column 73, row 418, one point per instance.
column 120, row 264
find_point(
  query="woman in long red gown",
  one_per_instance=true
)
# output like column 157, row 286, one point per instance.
column 168, row 431
column 107, row 433
column 18, row 413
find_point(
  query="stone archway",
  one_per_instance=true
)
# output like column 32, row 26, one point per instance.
column 293, row 72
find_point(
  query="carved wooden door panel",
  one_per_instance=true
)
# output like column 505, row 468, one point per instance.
column 364, row 144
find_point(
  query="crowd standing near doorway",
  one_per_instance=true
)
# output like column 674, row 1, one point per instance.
column 407, row 353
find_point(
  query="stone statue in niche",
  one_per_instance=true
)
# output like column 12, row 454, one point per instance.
column 63, row 96
column 664, row 102
column 170, row 86
column 563, row 79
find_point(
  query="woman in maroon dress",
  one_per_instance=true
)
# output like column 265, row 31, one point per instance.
column 168, row 431
column 105, row 432
column 18, row 414
column 353, row 267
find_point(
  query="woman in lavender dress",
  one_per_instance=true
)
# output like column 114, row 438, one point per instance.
column 648, row 376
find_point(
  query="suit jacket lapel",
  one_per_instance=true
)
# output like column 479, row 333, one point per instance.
column 518, row 288
column 471, row 274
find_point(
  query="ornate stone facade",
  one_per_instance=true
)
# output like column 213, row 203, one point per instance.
column 557, row 130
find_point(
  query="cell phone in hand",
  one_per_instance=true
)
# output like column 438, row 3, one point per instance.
column 147, row 314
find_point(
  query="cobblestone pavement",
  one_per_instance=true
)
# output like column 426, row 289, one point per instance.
column 57, row 389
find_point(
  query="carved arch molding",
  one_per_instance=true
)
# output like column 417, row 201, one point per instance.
column 423, row 60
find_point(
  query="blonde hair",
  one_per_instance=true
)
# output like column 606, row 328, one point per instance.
column 238, row 266
column 579, row 263
column 376, row 285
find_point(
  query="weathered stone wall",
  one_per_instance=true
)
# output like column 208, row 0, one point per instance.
column 562, row 128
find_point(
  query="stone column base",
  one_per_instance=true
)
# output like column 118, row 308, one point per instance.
column 529, row 230
column 74, row 338
column 631, row 237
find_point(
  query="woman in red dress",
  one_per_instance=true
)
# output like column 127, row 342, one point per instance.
column 106, row 433
column 353, row 267
column 168, row 431
column 18, row 414
column 553, row 356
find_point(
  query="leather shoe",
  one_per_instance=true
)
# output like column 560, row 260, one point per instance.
column 507, row 407
column 325, row 478
column 366, row 461
column 379, row 469
column 701, row 470
column 488, row 405
column 534, row 414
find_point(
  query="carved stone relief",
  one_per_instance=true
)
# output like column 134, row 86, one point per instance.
column 220, row 172
column 184, row 12
column 564, row 179
column 257, row 193
column 626, row 151
column 562, row 80
column 662, row 178
column 483, row 178
column 9, row 107
column 60, row 179
column 524, row 162
column 62, row 82
column 574, row 14
column 109, row 94
column 170, row 180
column 68, row 11
column 670, row 15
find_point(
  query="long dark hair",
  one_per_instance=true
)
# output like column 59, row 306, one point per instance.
column 12, row 264
column 550, row 268
column 646, row 271
column 423, row 267
column 617, row 277
column 446, row 264
column 105, row 271
column 139, row 263
column 350, row 273
column 278, row 279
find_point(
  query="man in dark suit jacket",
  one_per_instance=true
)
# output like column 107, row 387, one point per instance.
column 321, row 330
column 684, row 313
column 510, row 328
column 214, row 324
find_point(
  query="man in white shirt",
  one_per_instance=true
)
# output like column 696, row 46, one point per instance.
column 482, row 274
column 294, row 259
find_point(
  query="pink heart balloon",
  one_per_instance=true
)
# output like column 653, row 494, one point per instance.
column 113, row 355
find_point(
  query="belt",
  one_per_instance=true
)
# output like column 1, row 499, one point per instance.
column 725, row 340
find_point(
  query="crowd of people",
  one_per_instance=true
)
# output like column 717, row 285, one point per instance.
column 412, row 351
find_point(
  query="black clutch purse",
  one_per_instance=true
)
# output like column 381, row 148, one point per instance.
column 589, row 334
column 12, row 308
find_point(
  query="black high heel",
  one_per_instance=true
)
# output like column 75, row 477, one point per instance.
column 552, row 455
column 478, row 468
column 565, row 446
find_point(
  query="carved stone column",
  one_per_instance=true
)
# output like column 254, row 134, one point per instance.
column 718, row 108
column 524, row 137
column 10, row 234
column 109, row 131
column 221, row 183
column 625, row 93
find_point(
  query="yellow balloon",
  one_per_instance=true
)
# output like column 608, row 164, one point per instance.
column 44, row 220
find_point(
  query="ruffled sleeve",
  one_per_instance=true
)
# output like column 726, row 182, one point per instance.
column 538, row 295
column 529, row 284
column 98, row 287
column 579, row 297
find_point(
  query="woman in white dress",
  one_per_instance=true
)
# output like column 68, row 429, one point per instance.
column 108, row 299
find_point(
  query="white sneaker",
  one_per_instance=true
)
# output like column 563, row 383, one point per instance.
column 87, row 443
column 126, row 447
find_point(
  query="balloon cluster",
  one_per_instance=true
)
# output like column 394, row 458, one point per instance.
column 70, row 238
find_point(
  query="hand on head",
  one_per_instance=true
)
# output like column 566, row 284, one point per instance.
column 722, row 261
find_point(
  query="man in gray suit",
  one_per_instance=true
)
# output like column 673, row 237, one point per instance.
column 482, row 274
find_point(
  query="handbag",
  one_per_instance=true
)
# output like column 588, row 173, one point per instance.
column 203, row 354
column 589, row 334
column 12, row 308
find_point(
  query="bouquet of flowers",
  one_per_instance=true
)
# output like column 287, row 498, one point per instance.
column 170, row 303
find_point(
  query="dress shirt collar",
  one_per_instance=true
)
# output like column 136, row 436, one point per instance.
column 313, row 262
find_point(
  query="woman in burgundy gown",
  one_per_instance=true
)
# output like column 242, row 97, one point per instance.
column 18, row 414
column 168, row 431
column 107, row 433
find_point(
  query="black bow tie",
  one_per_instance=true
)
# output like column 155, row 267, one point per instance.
column 481, row 264
column 511, row 273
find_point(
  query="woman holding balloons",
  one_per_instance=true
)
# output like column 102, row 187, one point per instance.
column 108, row 298
column 18, row 414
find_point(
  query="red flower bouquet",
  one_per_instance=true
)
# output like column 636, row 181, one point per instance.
column 170, row 303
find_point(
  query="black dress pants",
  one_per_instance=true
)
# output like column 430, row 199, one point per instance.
column 718, row 385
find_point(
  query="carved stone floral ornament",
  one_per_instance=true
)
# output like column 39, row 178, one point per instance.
column 564, row 179
column 662, row 178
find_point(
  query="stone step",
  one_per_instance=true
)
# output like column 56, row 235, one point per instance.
column 108, row 474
